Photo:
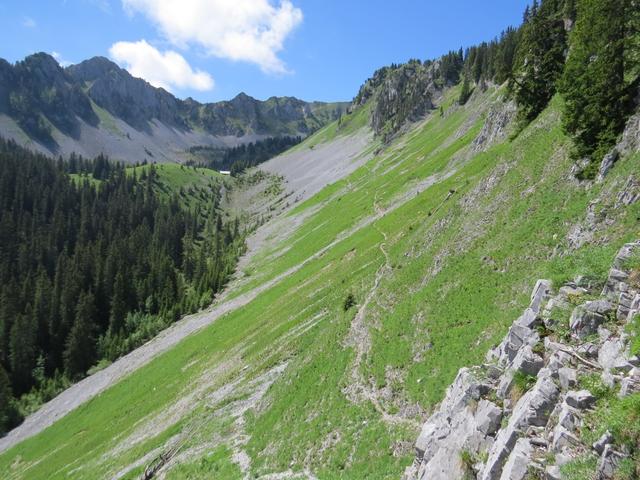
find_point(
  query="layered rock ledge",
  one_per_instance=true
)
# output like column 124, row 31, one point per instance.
column 520, row 414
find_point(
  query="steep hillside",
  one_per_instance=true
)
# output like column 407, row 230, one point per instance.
column 96, row 107
column 358, row 305
column 557, row 398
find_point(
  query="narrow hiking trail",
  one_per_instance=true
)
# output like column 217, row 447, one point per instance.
column 359, row 338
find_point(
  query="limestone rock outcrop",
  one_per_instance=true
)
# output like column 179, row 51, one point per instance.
column 491, row 427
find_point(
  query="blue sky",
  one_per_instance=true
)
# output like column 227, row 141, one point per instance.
column 213, row 49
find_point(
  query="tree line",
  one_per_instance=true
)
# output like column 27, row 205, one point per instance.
column 239, row 158
column 90, row 270
column 586, row 50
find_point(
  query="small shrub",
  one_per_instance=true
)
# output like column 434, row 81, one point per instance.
column 101, row 365
column 560, row 325
column 349, row 301
column 493, row 397
column 538, row 348
column 468, row 459
column 633, row 329
column 588, row 172
column 535, row 474
column 543, row 331
column 45, row 390
column 593, row 383
column 550, row 458
column 504, row 422
column 521, row 384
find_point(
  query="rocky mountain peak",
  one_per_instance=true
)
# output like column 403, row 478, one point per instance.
column 243, row 97
column 42, row 69
column 93, row 68
column 400, row 94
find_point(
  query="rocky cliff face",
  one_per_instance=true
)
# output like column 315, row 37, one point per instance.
column 97, row 107
column 400, row 94
column 523, row 414
column 131, row 99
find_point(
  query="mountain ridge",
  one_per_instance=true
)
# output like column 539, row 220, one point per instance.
column 97, row 107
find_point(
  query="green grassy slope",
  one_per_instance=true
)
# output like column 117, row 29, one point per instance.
column 348, row 124
column 193, row 185
column 440, row 248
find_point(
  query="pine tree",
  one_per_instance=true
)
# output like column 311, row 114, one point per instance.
column 7, row 317
column 80, row 349
column 118, row 305
column 23, row 351
column 55, row 333
column 570, row 10
column 534, row 8
column 632, row 43
column 505, row 55
column 9, row 416
column 539, row 60
column 42, row 309
column 5, row 398
column 466, row 91
column 594, row 79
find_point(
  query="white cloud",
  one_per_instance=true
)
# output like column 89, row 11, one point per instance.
column 29, row 22
column 60, row 60
column 103, row 5
column 242, row 30
column 161, row 69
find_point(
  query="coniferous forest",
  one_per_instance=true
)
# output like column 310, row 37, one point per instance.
column 586, row 50
column 239, row 158
column 91, row 269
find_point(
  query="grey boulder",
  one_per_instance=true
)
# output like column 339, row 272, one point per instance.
column 585, row 319
column 517, row 465
column 581, row 399
column 568, row 378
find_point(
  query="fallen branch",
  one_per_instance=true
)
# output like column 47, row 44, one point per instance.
column 583, row 360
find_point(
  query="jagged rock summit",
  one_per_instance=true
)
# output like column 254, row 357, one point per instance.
column 519, row 415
